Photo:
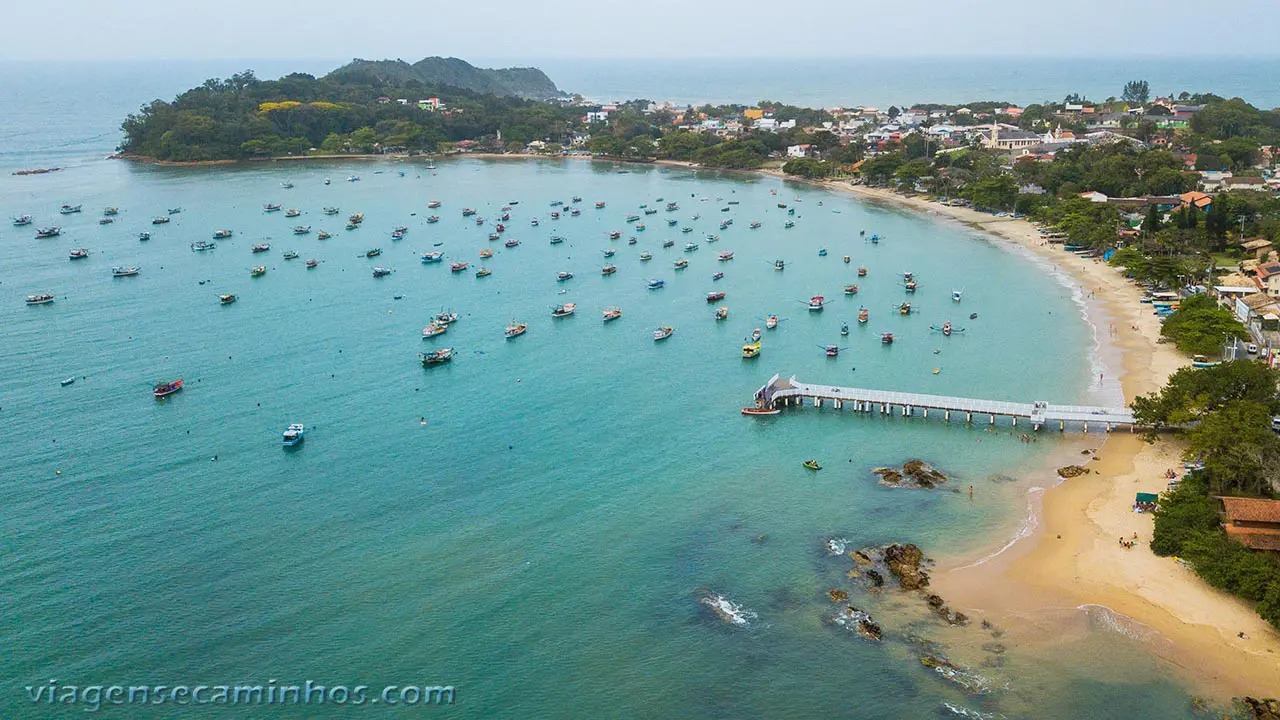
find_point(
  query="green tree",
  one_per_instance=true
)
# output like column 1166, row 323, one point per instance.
column 1137, row 92
column 1201, row 326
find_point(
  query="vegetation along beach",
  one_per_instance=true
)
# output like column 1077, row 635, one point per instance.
column 429, row 374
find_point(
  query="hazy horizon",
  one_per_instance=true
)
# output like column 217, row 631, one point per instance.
column 138, row 30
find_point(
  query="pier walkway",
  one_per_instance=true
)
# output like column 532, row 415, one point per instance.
column 781, row 393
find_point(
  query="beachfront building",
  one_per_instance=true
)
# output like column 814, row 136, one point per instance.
column 1252, row 522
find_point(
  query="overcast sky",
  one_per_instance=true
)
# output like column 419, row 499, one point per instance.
column 132, row 29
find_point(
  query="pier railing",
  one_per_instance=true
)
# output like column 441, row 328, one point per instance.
column 783, row 393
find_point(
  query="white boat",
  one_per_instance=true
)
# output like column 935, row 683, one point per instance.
column 293, row 435
column 662, row 333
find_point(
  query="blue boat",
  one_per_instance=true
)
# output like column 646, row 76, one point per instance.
column 293, row 435
column 433, row 257
column 655, row 284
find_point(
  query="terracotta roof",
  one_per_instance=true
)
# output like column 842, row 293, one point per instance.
column 1252, row 509
column 1255, row 539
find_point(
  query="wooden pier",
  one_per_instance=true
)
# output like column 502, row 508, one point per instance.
column 779, row 393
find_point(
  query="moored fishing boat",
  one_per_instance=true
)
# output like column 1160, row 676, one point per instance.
column 956, row 295
column 788, row 224
column 78, row 253
column 446, row 317
column 483, row 272
column 681, row 264
column 646, row 256
column 663, row 332
column 511, row 243
column 52, row 231
column 40, row 299
column 564, row 310
column 811, row 465
column 816, row 303
column 301, row 229
column 260, row 248
column 721, row 313
column 564, row 275
column 515, row 329
column 203, row 245
column 690, row 247
column 380, row 271
column 751, row 349
column 125, row 271
column 312, row 263
column 668, row 243
column 329, row 210
column 904, row 308
column 725, row 255
column 106, row 220
column 850, row 289
column 862, row 272
column 886, row 338
column 599, row 204
column 468, row 212
column 432, row 257
column 355, row 218
column 433, row 204
column 323, row 235
column 847, row 259
column 656, row 284
column 771, row 322
column 779, row 265
column 844, row 329
column 762, row 410
column 632, row 218
column 457, row 267
column 144, row 236
column 715, row 296
column 69, row 209
column 164, row 389
column 23, row 220
column 436, row 357
column 611, row 314
column 221, row 234
column 271, row 207
column 373, row 252
column 717, row 276
column 608, row 270
column 226, row 299
column 258, row 271
column 755, row 335
column 289, row 255
column 486, row 253
column 556, row 239
column 863, row 315
column 174, row 210
column 831, row 350
column 433, row 329
column 292, row 212
column 293, row 435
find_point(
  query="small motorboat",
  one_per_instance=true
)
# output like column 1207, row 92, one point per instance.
column 973, row 316
column 846, row 259
column 611, row 314
column 830, row 350
column 226, row 299
column 755, row 335
column 40, row 299
column 668, row 243
column 956, row 295
column 129, row 271
column 78, row 253
column 771, row 322
column 446, row 317
column 610, row 252
column 863, row 315
column 822, row 252
column 289, row 255
column 433, row 204
column 886, row 338
column 564, row 275
column 816, row 303
column 722, row 313
column 515, row 329
column 292, row 212
column 715, row 296
column 850, row 289
column 355, row 218
column 106, row 220
column 271, row 207
column 468, row 212
column 312, row 263
column 556, row 239
column 690, row 247
column 330, row 210
column 432, row 257
column 779, row 265
column 646, row 256
column 302, row 230
column 258, row 271
column 286, row 185
column 680, row 264
column 812, row 465
column 614, row 234
column 656, row 284
column 904, row 308
column 788, row 224
column 725, row 255
column 160, row 220
column 323, row 235
column 862, row 272
column 511, row 243
column 436, row 357
column 381, row 271
column 23, row 220
column 663, row 332
column 599, row 204
column 144, row 236
column 260, row 248
column 608, row 269
column 761, row 410
column 373, row 252
column 564, row 310
column 165, row 389
column 221, row 234
column 751, row 349
column 717, row 276
column 67, row 381
column 293, row 435
column 434, row 328
column 844, row 329
column 483, row 272
column 69, row 209
column 433, row 219
column 754, row 225
column 485, row 253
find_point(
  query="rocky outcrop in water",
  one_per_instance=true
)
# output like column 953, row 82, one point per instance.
column 851, row 618
column 940, row 608
column 914, row 473
column 724, row 609
column 904, row 562
column 1268, row 709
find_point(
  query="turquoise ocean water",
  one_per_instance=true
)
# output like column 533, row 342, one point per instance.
column 535, row 522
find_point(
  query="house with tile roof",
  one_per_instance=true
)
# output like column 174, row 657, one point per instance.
column 1252, row 522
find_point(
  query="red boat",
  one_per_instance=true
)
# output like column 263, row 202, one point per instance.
column 165, row 389
column 715, row 296
column 760, row 411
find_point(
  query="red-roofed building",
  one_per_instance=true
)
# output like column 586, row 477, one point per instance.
column 1252, row 522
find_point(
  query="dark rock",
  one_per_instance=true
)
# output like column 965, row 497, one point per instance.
column 877, row 580
column 994, row 647
column 837, row 595
column 888, row 476
column 904, row 562
column 935, row 601
column 1268, row 709
column 1070, row 471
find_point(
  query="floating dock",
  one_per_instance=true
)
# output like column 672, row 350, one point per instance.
column 778, row 393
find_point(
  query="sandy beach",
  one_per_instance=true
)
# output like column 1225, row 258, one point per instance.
column 1074, row 557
